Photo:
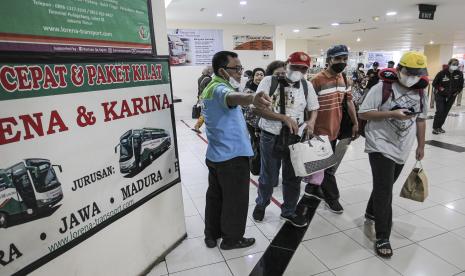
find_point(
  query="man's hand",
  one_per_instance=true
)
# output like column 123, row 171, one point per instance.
column 420, row 154
column 399, row 114
column 291, row 124
column 355, row 133
column 261, row 100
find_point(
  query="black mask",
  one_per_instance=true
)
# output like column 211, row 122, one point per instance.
column 338, row 67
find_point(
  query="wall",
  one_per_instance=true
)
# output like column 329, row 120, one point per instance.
column 132, row 243
column 296, row 45
column 185, row 77
column 437, row 56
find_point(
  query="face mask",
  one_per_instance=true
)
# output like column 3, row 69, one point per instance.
column 294, row 76
column 338, row 67
column 408, row 81
column 454, row 67
column 234, row 83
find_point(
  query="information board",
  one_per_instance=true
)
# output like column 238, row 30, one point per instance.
column 76, row 26
column 81, row 145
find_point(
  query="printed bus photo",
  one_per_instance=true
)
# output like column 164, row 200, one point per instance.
column 27, row 189
column 140, row 147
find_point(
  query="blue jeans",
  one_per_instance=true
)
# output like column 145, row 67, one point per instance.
column 269, row 177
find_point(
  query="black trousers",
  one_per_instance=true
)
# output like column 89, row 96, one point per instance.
column 443, row 106
column 227, row 199
column 329, row 184
column 385, row 173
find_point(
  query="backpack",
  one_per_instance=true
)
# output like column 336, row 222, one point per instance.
column 388, row 76
column 274, row 86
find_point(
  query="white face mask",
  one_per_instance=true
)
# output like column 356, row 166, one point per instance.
column 234, row 83
column 454, row 67
column 408, row 81
column 294, row 76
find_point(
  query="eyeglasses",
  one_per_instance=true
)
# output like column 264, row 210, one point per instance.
column 238, row 69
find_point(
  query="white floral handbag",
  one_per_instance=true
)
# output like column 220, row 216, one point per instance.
column 312, row 155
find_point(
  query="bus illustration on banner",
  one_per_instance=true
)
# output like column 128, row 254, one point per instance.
column 26, row 189
column 140, row 147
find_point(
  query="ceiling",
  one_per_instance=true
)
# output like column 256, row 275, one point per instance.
column 400, row 32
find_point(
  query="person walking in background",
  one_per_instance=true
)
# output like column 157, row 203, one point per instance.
column 393, row 124
column 276, row 68
column 202, row 82
column 372, row 74
column 251, row 118
column 448, row 84
column 332, row 88
column 292, row 96
column 245, row 78
column 228, row 152
column 391, row 64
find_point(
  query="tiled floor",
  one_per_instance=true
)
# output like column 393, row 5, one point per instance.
column 428, row 238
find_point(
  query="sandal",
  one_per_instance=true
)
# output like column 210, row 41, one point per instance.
column 383, row 248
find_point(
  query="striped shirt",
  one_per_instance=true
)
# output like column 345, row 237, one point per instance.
column 330, row 91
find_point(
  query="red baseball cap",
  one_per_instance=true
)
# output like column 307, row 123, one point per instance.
column 299, row 58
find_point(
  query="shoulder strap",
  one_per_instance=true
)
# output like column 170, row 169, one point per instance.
column 305, row 86
column 387, row 91
column 421, row 92
column 344, row 77
column 274, row 85
column 282, row 100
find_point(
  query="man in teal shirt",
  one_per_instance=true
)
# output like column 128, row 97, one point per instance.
column 228, row 153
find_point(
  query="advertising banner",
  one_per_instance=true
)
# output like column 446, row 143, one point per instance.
column 194, row 47
column 253, row 42
column 75, row 26
column 381, row 57
column 81, row 145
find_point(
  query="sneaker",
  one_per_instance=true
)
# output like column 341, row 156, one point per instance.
column 242, row 243
column 334, row 206
column 369, row 217
column 296, row 220
column 210, row 242
column 314, row 191
column 436, row 131
column 258, row 214
column 441, row 130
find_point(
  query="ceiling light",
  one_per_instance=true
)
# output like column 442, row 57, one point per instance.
column 391, row 13
column 243, row 3
column 375, row 18
column 219, row 14
column 296, row 30
column 335, row 24
column 358, row 39
column 431, row 42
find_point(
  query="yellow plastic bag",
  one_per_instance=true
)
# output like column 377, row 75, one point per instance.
column 416, row 185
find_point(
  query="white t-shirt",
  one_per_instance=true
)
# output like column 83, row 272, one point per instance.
column 295, row 103
column 391, row 137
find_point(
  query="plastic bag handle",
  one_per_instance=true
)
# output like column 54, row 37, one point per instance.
column 421, row 165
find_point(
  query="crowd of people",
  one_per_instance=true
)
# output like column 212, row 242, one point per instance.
column 253, row 115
